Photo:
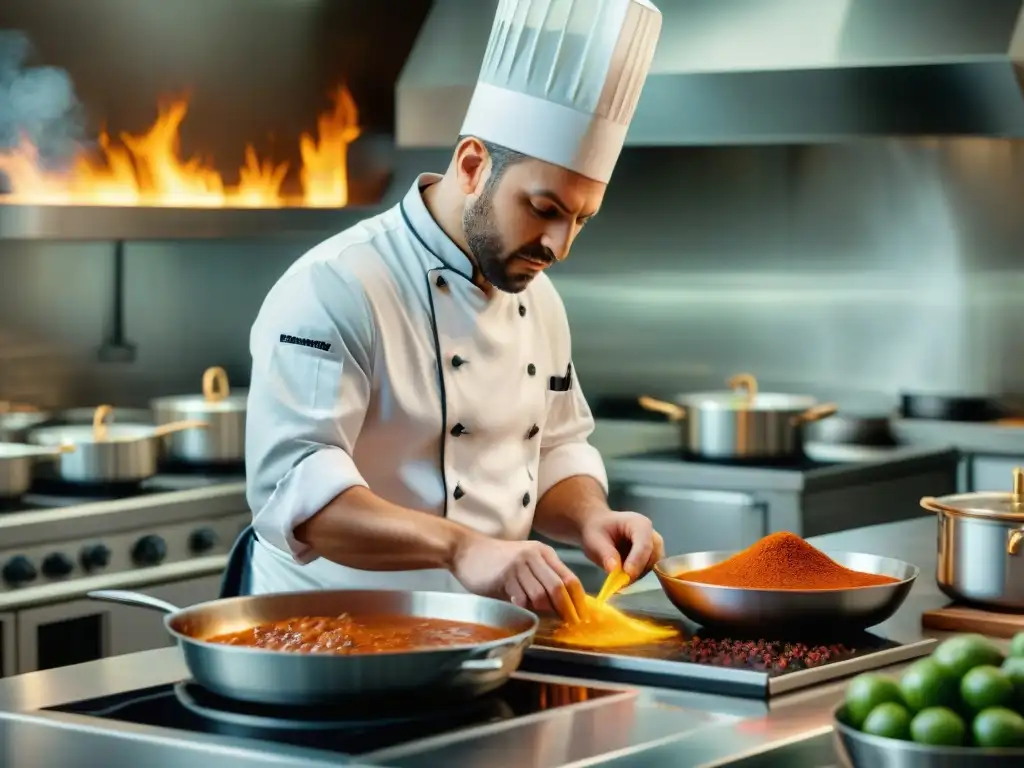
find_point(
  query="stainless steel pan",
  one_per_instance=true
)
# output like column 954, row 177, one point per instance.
column 106, row 452
column 17, row 465
column 742, row 423
column 223, row 442
column 280, row 677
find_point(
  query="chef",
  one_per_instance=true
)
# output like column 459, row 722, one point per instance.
column 414, row 410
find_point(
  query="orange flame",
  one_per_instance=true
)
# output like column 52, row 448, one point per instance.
column 147, row 170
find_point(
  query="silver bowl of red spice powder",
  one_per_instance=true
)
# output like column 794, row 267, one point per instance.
column 782, row 582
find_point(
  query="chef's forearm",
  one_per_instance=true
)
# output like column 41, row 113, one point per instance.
column 361, row 530
column 562, row 511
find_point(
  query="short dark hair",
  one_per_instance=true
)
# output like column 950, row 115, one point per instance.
column 502, row 158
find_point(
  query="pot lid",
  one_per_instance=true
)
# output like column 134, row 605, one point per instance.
column 740, row 401
column 17, row 420
column 197, row 404
column 990, row 505
column 216, row 396
column 743, row 395
column 86, row 433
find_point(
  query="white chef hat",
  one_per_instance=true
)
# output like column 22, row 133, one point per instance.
column 561, row 79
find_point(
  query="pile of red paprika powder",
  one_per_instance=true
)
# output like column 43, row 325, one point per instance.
column 783, row 561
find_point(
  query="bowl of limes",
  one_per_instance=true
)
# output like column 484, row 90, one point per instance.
column 961, row 706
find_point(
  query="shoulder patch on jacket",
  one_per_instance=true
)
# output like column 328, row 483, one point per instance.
column 323, row 346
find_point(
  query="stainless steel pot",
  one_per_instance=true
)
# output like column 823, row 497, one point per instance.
column 223, row 442
column 107, row 453
column 17, row 419
column 17, row 466
column 742, row 423
column 280, row 677
column 981, row 546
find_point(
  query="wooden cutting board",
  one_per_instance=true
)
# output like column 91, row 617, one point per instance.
column 958, row 618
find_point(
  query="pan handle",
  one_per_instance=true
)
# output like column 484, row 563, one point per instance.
column 815, row 413
column 133, row 598
column 492, row 664
column 673, row 411
column 179, row 426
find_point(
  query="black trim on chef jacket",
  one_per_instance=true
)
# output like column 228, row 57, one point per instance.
column 459, row 493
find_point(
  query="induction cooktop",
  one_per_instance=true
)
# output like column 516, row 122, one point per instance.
column 185, row 706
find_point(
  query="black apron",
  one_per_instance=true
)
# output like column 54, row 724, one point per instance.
column 237, row 579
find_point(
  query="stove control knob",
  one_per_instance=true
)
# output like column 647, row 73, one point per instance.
column 94, row 557
column 202, row 540
column 19, row 570
column 56, row 565
column 149, row 550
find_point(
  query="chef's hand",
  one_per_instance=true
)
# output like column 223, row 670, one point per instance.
column 528, row 573
column 609, row 536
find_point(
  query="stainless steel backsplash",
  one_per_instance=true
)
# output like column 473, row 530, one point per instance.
column 849, row 270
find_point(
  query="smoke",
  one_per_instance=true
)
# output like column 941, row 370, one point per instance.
column 37, row 103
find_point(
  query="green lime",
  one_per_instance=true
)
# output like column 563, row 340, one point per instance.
column 1013, row 668
column 889, row 720
column 998, row 727
column 985, row 687
column 960, row 654
column 926, row 684
column 865, row 692
column 938, row 726
column 1017, row 645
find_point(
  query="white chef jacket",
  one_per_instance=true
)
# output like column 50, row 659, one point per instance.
column 377, row 362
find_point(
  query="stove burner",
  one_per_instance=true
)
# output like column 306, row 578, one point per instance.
column 266, row 717
column 205, row 469
column 796, row 464
column 46, row 486
column 12, row 504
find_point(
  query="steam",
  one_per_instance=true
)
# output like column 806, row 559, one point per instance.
column 36, row 103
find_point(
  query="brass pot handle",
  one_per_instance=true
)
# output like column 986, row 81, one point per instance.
column 673, row 411
column 745, row 382
column 1014, row 539
column 815, row 413
column 101, row 419
column 215, row 384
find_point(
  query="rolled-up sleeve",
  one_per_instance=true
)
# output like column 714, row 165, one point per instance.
column 312, row 356
column 564, row 450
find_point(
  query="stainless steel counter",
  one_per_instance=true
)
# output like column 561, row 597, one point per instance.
column 647, row 727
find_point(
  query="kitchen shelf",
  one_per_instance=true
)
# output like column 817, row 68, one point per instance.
column 84, row 222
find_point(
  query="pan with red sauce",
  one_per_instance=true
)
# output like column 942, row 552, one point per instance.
column 348, row 635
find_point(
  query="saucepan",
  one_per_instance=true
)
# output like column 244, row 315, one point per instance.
column 742, row 423
column 105, row 452
column 17, row 465
column 981, row 546
column 223, row 442
column 282, row 677
column 839, row 610
column 16, row 419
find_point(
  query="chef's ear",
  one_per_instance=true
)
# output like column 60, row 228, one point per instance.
column 472, row 165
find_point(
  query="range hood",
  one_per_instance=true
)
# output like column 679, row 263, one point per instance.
column 769, row 71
